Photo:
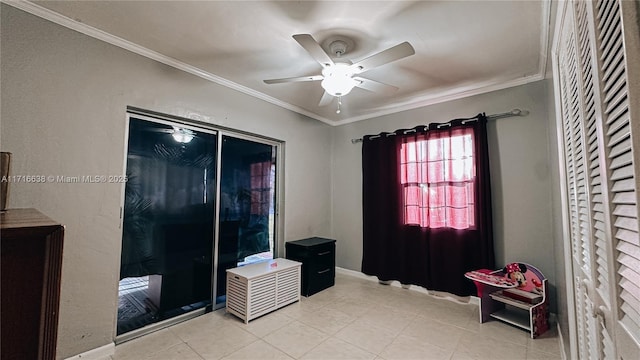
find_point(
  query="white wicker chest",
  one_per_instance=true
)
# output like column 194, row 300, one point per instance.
column 256, row 289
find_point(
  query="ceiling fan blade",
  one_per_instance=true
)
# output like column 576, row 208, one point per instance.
column 326, row 99
column 294, row 79
column 384, row 57
column 375, row 86
column 157, row 130
column 314, row 49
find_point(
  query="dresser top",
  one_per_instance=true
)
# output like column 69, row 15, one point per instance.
column 24, row 218
column 311, row 241
column 263, row 268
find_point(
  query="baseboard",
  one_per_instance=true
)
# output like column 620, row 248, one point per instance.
column 436, row 294
column 101, row 353
column 354, row 273
column 561, row 341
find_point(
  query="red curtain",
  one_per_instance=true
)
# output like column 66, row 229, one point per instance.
column 427, row 205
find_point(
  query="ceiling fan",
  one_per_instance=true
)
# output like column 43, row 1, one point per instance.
column 179, row 134
column 340, row 77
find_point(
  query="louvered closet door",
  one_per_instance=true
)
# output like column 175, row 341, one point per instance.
column 601, row 269
column 616, row 39
column 576, row 155
column 596, row 87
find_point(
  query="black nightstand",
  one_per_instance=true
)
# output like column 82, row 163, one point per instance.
column 318, row 258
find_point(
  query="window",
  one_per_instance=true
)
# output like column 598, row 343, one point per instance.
column 438, row 180
column 262, row 185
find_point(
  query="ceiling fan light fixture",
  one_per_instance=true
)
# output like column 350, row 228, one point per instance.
column 181, row 135
column 338, row 79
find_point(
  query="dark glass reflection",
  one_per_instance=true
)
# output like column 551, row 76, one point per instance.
column 246, row 206
column 167, row 234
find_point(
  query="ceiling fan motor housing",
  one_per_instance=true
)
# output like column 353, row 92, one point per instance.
column 338, row 48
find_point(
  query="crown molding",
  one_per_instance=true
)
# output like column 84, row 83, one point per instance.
column 452, row 94
column 85, row 29
column 544, row 37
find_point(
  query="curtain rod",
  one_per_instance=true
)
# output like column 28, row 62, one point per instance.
column 514, row 112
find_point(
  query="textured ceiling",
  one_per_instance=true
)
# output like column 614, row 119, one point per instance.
column 462, row 47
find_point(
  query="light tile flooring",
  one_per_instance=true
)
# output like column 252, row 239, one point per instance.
column 355, row 319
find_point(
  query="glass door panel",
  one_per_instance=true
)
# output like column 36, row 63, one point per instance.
column 247, row 203
column 168, row 223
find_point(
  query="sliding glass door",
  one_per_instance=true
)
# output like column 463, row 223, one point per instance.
column 183, row 225
column 168, row 223
column 247, row 205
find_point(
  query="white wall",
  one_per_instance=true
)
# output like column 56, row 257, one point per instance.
column 63, row 102
column 519, row 150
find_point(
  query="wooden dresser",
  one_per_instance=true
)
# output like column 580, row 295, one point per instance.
column 30, row 265
column 318, row 258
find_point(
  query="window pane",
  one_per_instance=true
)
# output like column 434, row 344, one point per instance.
column 433, row 165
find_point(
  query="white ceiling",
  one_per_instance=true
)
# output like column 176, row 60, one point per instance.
column 462, row 47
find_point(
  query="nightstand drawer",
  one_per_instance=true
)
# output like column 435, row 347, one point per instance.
column 320, row 280
column 318, row 258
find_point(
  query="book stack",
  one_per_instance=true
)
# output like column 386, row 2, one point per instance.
column 524, row 296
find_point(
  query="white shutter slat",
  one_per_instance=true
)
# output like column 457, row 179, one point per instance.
column 624, row 198
column 617, row 100
column 593, row 152
column 614, row 67
column 632, row 263
column 626, row 185
column 603, row 10
column 635, row 304
column 621, row 160
column 614, row 87
column 610, row 63
column 630, row 269
column 628, row 248
column 610, row 33
column 625, row 210
column 607, row 35
column 616, row 123
column 628, row 236
column 621, row 148
column 599, row 216
column 626, row 223
column 623, row 173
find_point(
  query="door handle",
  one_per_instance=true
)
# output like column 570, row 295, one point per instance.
column 323, row 271
column 324, row 253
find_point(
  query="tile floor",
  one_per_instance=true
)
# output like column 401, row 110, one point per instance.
column 355, row 319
